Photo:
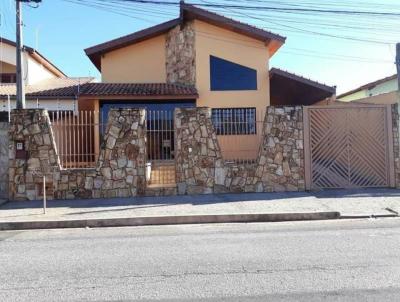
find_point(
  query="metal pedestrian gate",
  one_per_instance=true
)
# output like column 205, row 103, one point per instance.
column 348, row 146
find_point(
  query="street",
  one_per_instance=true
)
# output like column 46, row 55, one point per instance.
column 341, row 260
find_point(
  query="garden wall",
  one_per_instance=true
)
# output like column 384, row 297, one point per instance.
column 120, row 168
column 202, row 170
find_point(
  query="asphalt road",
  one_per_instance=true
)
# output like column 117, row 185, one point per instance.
column 304, row 261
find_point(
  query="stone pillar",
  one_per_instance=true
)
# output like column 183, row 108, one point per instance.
column 4, row 160
column 31, row 127
column 396, row 144
column 180, row 54
column 281, row 157
column 122, row 160
column 197, row 152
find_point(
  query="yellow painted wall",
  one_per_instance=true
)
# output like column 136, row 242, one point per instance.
column 227, row 45
column 212, row 40
column 382, row 88
column 143, row 62
column 7, row 68
column 354, row 96
column 384, row 98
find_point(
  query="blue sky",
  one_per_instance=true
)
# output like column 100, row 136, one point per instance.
column 61, row 30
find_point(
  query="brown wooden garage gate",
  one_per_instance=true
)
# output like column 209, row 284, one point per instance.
column 348, row 146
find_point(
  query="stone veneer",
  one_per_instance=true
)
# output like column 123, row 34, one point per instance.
column 396, row 144
column 120, row 170
column 181, row 55
column 201, row 170
column 4, row 159
column 197, row 152
column 281, row 158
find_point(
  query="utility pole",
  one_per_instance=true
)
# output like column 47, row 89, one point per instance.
column 20, row 50
column 20, row 66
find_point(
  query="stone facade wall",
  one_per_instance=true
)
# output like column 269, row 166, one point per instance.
column 281, row 159
column 4, row 160
column 181, row 55
column 32, row 128
column 197, row 153
column 120, row 170
column 201, row 169
column 396, row 144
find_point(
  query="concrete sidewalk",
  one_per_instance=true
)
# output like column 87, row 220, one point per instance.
column 349, row 203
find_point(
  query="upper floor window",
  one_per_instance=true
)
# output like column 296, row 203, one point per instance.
column 226, row 75
column 234, row 121
column 8, row 78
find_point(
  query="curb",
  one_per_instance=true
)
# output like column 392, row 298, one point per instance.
column 368, row 216
column 166, row 220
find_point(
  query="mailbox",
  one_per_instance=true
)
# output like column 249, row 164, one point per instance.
column 20, row 152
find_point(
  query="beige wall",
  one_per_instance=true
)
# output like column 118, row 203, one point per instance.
column 7, row 68
column 33, row 71
column 36, row 72
column 384, row 98
column 382, row 88
column 143, row 62
column 227, row 45
column 212, row 40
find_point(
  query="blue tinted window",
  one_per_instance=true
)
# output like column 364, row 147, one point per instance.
column 226, row 75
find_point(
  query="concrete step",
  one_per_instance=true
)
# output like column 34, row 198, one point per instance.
column 162, row 173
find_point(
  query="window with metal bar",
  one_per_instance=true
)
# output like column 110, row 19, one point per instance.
column 8, row 78
column 234, row 121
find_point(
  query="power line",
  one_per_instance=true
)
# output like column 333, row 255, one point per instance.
column 124, row 7
column 267, row 20
column 282, row 9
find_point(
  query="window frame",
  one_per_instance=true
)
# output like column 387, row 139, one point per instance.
column 8, row 78
column 226, row 75
column 235, row 120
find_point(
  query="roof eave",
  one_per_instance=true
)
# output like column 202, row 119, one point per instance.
column 295, row 77
column 46, row 63
column 192, row 12
column 368, row 86
column 95, row 52
column 139, row 97
column 38, row 58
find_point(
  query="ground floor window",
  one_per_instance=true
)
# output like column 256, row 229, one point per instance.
column 234, row 121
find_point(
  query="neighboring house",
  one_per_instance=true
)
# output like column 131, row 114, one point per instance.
column 383, row 91
column 36, row 66
column 46, row 86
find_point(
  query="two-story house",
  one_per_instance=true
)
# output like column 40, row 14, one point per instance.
column 218, row 63
column 198, row 59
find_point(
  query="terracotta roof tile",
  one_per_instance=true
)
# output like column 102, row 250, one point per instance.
column 56, row 87
column 137, row 89
column 71, row 88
